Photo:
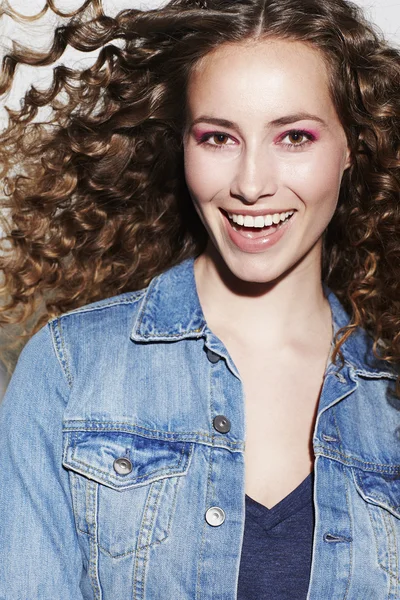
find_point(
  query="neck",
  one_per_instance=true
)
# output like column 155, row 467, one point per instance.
column 276, row 312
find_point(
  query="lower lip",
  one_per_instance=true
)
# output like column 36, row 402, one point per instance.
column 258, row 244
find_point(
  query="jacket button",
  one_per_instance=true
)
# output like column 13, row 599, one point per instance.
column 222, row 424
column 212, row 357
column 122, row 466
column 215, row 516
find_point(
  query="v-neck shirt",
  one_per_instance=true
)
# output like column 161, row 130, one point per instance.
column 277, row 547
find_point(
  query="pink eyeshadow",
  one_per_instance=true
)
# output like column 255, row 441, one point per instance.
column 200, row 133
column 310, row 132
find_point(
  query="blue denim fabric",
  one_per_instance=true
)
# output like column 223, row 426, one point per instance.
column 141, row 377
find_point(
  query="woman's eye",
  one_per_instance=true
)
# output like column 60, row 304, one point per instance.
column 297, row 138
column 217, row 140
column 220, row 139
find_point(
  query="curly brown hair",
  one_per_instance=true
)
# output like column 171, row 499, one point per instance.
column 95, row 198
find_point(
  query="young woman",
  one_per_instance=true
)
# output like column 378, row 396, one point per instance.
column 226, row 425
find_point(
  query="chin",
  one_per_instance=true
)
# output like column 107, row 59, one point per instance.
column 253, row 270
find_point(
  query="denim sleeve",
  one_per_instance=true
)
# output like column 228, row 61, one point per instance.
column 40, row 558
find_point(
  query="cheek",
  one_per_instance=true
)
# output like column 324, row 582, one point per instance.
column 204, row 178
column 317, row 180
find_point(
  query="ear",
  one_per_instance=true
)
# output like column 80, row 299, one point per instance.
column 349, row 159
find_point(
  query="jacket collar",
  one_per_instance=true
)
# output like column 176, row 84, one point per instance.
column 170, row 311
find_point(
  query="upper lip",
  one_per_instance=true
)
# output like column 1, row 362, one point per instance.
column 257, row 212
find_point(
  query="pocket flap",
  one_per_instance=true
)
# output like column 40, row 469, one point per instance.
column 382, row 489
column 93, row 454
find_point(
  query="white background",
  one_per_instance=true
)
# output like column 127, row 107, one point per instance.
column 38, row 34
column 384, row 13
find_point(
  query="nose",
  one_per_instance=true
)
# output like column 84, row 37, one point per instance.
column 256, row 177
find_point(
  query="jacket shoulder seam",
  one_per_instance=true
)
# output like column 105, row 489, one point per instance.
column 103, row 304
column 56, row 326
column 60, row 349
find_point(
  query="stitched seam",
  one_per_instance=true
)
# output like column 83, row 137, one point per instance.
column 173, row 508
column 370, row 508
column 376, row 375
column 171, row 512
column 198, row 332
column 145, row 546
column 132, row 299
column 384, row 500
column 389, row 539
column 375, row 528
column 65, row 353
column 138, row 547
column 87, row 505
column 60, row 350
column 374, row 498
column 346, row 482
column 336, row 425
column 73, row 486
column 363, row 372
column 173, row 470
column 204, row 529
column 110, row 426
column 156, row 504
column 148, row 543
column 379, row 468
column 387, row 521
column 203, row 534
column 141, row 315
column 93, row 565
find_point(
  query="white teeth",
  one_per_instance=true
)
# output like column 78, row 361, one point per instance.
column 260, row 221
column 268, row 220
column 248, row 221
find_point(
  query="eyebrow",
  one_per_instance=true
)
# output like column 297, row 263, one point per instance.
column 285, row 120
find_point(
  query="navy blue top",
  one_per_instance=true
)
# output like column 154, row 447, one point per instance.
column 277, row 546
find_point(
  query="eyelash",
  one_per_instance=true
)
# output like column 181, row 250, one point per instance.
column 291, row 147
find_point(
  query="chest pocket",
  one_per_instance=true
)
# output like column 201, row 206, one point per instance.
column 381, row 492
column 124, row 487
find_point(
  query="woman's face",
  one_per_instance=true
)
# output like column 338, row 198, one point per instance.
column 264, row 155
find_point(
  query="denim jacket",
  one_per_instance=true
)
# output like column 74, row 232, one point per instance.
column 122, row 460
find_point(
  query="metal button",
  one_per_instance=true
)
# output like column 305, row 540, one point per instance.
column 122, row 466
column 222, row 424
column 212, row 357
column 215, row 516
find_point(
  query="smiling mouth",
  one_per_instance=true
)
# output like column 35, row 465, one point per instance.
column 260, row 221
column 259, row 225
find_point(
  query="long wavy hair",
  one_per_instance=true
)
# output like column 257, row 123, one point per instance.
column 95, row 200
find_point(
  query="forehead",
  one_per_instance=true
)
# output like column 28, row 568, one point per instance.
column 269, row 76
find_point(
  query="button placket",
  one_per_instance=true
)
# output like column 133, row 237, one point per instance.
column 215, row 515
